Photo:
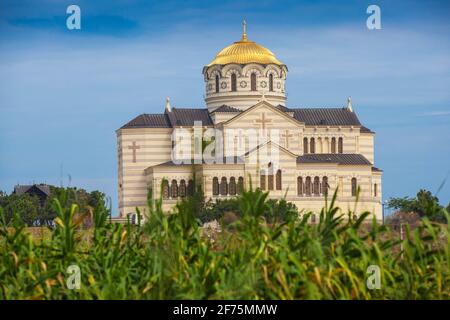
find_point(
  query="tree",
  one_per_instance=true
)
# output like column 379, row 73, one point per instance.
column 25, row 205
column 424, row 204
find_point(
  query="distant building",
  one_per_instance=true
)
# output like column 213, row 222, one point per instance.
column 42, row 191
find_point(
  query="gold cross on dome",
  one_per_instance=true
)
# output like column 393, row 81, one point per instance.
column 263, row 121
column 134, row 147
column 286, row 136
column 244, row 33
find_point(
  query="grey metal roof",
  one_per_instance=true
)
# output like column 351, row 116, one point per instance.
column 187, row 116
column 149, row 121
column 326, row 116
column 225, row 108
column 21, row 189
column 339, row 158
column 375, row 169
column 283, row 108
column 366, row 130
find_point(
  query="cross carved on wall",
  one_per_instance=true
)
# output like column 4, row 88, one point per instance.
column 286, row 136
column 134, row 147
column 263, row 121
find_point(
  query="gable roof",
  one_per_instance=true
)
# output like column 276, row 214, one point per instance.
column 266, row 104
column 225, row 108
column 149, row 121
column 326, row 116
column 187, row 116
column 270, row 142
column 339, row 158
column 21, row 189
column 366, row 130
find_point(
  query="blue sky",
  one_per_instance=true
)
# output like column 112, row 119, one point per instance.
column 64, row 93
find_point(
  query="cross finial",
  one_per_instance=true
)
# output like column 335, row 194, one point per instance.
column 244, row 32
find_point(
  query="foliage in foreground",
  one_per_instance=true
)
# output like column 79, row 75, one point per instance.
column 170, row 258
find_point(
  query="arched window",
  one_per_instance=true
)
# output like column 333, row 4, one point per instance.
column 312, row 145
column 165, row 189
column 313, row 218
column 215, row 186
column 305, row 145
column 375, row 190
column 240, row 185
column 262, row 180
column 182, row 188
column 333, row 145
column 232, row 186
column 253, row 82
column 316, row 186
column 270, row 177
column 270, row 82
column 300, row 186
column 354, row 187
column 278, row 180
column 174, row 189
column 325, row 186
column 223, row 186
column 340, row 145
column 233, row 82
column 308, row 186
column 217, row 83
column 190, row 187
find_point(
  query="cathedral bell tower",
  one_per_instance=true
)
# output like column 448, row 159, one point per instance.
column 242, row 73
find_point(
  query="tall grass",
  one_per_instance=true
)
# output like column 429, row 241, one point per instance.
column 170, row 258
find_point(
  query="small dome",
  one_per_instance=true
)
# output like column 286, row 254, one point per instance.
column 243, row 52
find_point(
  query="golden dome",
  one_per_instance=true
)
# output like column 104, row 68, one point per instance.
column 243, row 52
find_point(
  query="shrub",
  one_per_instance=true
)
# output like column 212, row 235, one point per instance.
column 168, row 258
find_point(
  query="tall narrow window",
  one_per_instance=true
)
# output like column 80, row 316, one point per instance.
column 174, row 189
column 308, row 186
column 223, row 186
column 340, row 145
column 278, row 180
column 165, row 189
column 299, row 186
column 232, row 186
column 305, row 145
column 217, row 83
column 316, row 186
column 233, row 82
column 325, row 186
column 253, row 82
column 270, row 181
column 270, row 82
column 262, row 180
column 215, row 186
column 375, row 190
column 190, row 187
column 354, row 187
column 312, row 146
column 182, row 188
column 270, row 177
column 333, row 145
column 240, row 185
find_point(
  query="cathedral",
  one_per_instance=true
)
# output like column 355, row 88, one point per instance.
column 247, row 135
